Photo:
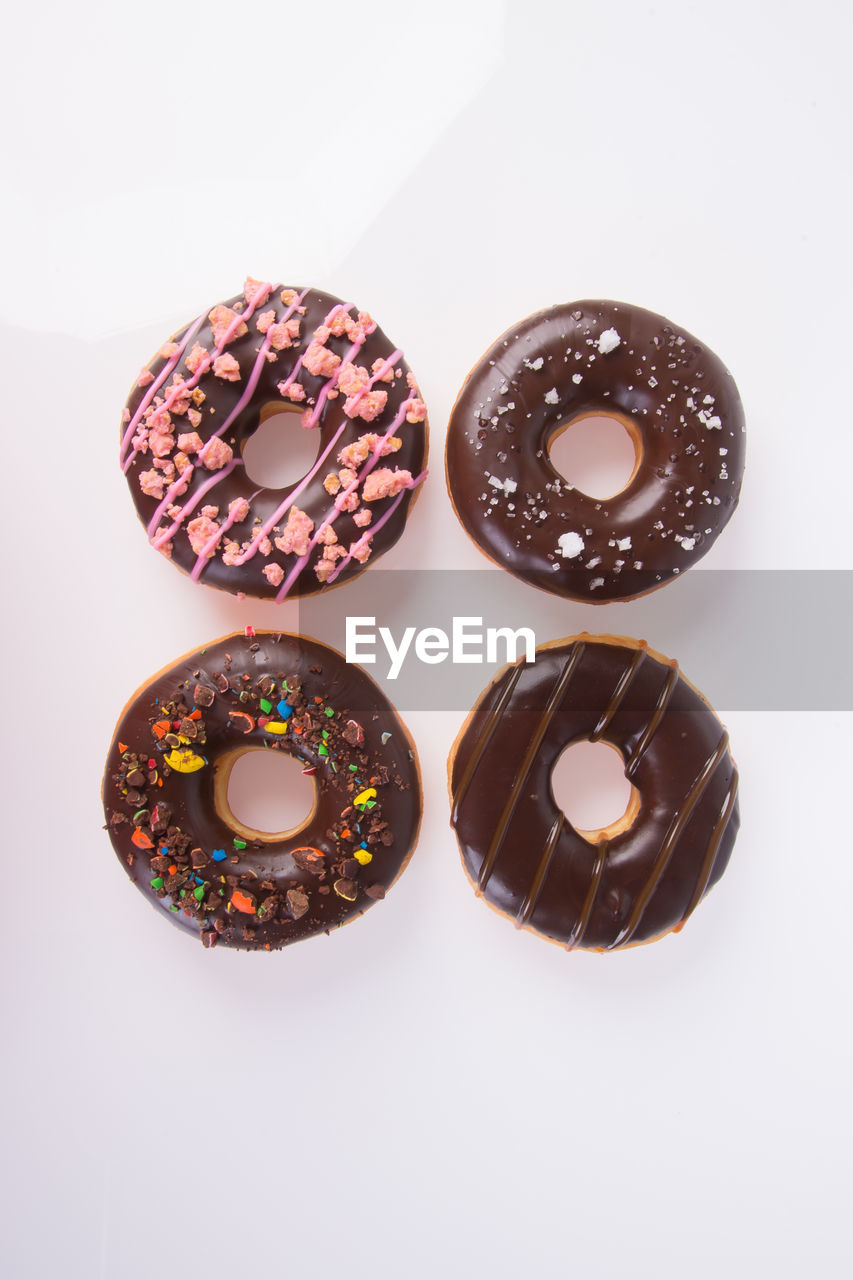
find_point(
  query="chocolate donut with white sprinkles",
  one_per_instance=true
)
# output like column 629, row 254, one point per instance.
column 674, row 397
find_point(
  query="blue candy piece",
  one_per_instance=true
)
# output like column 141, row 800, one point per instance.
column 284, row 710
column 218, row 855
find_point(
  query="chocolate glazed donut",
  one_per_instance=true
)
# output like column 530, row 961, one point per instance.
column 645, row 874
column 199, row 400
column 165, row 791
column 675, row 398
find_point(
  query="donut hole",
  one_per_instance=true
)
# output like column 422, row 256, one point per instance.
column 280, row 451
column 589, row 785
column 598, row 453
column 263, row 794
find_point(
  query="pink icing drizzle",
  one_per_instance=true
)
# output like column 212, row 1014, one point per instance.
column 204, row 365
column 371, row 462
column 281, row 510
column 168, row 368
column 374, row 528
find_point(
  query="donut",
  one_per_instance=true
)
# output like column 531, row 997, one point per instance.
column 202, row 396
column 642, row 876
column 680, row 407
column 165, row 791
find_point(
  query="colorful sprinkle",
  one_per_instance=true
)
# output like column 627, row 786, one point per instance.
column 363, row 798
column 185, row 761
column 218, row 855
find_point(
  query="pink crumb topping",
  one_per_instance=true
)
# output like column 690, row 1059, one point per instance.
column 210, row 512
column 280, row 337
column 164, row 547
column 367, row 406
column 273, row 574
column 161, row 443
column 338, row 322
column 238, row 510
column 363, row 517
column 233, row 551
column 221, row 318
column 353, row 378
column 388, row 376
column 327, row 536
column 169, row 349
column 320, row 361
column 217, row 454
column 152, row 483
column 264, row 320
column 347, row 502
column 416, row 411
column 144, row 378
column 294, row 391
column 190, row 441
column 360, row 550
column 358, row 330
column 411, row 381
column 332, row 484
column 288, row 296
column 385, row 483
column 296, row 533
column 354, row 454
column 201, row 531
column 195, row 357
column 227, row 368
column 255, row 292
column 194, row 417
column 347, row 476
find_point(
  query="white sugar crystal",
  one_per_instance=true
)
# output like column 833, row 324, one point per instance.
column 608, row 341
column 687, row 544
column 590, row 564
column 535, row 364
column 551, row 396
column 577, row 377
column 506, row 486
column 714, row 423
column 624, row 544
column 596, row 582
column 570, row 545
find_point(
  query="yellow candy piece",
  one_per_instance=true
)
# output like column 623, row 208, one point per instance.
column 362, row 856
column 275, row 726
column 184, row 761
column 363, row 796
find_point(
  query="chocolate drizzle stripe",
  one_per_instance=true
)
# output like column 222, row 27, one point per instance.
column 527, row 907
column 654, row 723
column 576, row 936
column 486, row 732
column 707, row 869
column 527, row 763
column 679, row 822
column 618, row 694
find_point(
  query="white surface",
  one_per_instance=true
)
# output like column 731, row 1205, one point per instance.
column 427, row 1092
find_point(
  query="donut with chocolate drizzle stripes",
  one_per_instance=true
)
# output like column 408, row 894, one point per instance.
column 678, row 403
column 166, row 779
column 645, row 874
column 204, row 394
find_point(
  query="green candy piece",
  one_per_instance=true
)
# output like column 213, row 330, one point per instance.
column 157, row 882
column 266, row 705
column 329, row 712
column 239, row 844
column 323, row 750
column 198, row 892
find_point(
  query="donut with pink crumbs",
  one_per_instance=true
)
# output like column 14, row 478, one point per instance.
column 203, row 395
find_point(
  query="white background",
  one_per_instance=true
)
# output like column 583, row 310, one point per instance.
column 427, row 1092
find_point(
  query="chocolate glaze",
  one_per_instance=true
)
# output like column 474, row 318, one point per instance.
column 168, row 834
column 221, row 398
column 676, row 398
column 523, row 854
